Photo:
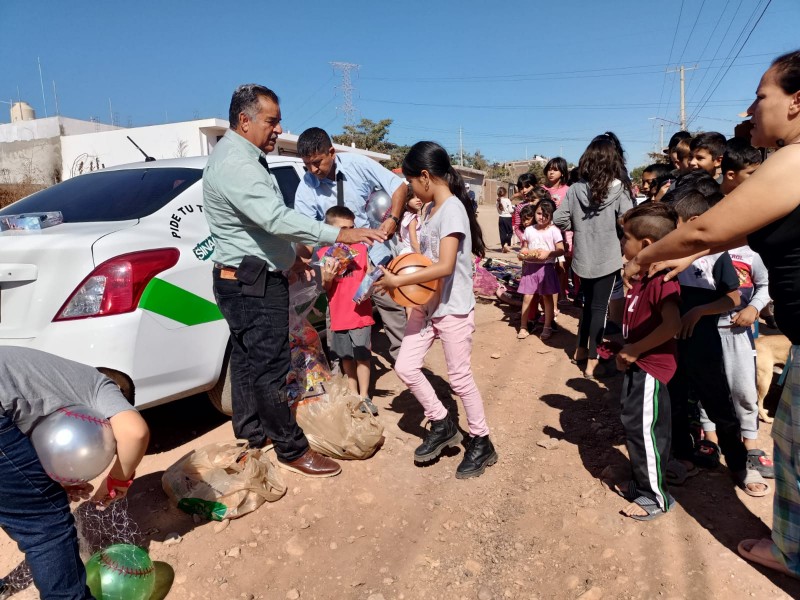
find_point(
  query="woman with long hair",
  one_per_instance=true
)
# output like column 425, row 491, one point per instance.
column 591, row 210
column 763, row 211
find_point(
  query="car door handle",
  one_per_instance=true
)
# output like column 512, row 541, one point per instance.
column 18, row 272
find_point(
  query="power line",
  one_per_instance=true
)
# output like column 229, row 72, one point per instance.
column 752, row 29
column 669, row 59
column 616, row 106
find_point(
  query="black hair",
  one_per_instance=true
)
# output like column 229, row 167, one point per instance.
column 710, row 140
column 600, row 165
column 526, row 179
column 313, row 141
column 658, row 169
column 540, row 193
column 698, row 181
column 692, row 204
column 652, row 220
column 431, row 157
column 547, row 206
column 677, row 137
column 561, row 166
column 574, row 175
column 501, row 191
column 739, row 154
column 339, row 212
column 245, row 100
column 787, row 70
column 528, row 212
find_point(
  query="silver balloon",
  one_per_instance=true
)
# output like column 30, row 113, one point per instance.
column 74, row 444
column 378, row 203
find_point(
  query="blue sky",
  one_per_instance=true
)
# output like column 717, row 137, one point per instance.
column 517, row 78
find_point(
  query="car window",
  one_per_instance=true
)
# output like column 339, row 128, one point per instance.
column 288, row 180
column 110, row 195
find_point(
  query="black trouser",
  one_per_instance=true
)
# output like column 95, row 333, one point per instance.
column 701, row 378
column 596, row 294
column 259, row 362
column 647, row 420
column 506, row 230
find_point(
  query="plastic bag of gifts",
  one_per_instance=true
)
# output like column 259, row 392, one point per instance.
column 309, row 367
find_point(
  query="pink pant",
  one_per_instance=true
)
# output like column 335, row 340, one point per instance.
column 455, row 331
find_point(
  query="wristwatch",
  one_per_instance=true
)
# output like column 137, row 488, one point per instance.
column 393, row 218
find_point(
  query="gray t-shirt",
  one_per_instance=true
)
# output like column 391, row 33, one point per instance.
column 34, row 384
column 455, row 295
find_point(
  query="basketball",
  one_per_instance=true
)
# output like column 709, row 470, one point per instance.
column 415, row 294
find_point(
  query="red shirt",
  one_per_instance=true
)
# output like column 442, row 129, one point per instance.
column 346, row 314
column 643, row 305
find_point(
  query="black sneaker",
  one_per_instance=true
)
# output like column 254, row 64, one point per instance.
column 480, row 454
column 758, row 460
column 442, row 434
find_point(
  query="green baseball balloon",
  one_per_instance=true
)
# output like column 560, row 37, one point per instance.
column 121, row 572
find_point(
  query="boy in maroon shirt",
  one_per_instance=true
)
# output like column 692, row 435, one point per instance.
column 651, row 321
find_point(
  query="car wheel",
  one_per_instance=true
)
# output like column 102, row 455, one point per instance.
column 220, row 394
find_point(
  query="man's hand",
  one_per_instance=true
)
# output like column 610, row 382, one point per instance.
column 301, row 269
column 745, row 317
column 361, row 235
column 78, row 491
column 389, row 227
column 626, row 357
column 675, row 267
column 688, row 323
column 630, row 271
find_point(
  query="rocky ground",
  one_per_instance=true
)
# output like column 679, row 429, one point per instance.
column 538, row 524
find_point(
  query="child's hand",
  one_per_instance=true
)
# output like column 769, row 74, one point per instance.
column 688, row 323
column 386, row 283
column 523, row 254
column 329, row 270
column 109, row 492
column 626, row 357
column 745, row 317
column 78, row 491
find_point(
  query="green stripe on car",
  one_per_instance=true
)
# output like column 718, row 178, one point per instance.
column 175, row 303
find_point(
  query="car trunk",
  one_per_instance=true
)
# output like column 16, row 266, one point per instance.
column 39, row 270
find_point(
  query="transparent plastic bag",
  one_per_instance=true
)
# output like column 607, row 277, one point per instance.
column 224, row 480
column 335, row 425
column 309, row 368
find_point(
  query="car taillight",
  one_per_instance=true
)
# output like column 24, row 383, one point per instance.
column 116, row 286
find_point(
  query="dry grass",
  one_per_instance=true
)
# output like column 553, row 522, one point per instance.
column 11, row 192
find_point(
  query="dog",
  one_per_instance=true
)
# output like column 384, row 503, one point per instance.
column 771, row 351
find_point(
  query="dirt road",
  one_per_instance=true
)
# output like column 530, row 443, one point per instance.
column 539, row 524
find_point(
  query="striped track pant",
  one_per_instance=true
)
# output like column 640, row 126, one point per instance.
column 646, row 418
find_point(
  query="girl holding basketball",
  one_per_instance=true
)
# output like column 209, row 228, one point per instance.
column 541, row 246
column 449, row 235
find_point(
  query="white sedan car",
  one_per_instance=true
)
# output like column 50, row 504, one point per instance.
column 124, row 283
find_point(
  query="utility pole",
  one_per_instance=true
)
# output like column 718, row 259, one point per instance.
column 460, row 147
column 682, row 70
column 661, row 135
column 348, row 108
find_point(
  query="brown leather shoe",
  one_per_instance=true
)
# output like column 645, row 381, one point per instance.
column 312, row 464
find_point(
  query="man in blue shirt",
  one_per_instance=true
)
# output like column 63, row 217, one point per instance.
column 255, row 233
column 358, row 176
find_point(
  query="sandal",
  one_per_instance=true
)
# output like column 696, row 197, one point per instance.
column 650, row 506
column 706, row 454
column 746, row 548
column 601, row 371
column 522, row 334
column 547, row 333
column 748, row 477
column 758, row 460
